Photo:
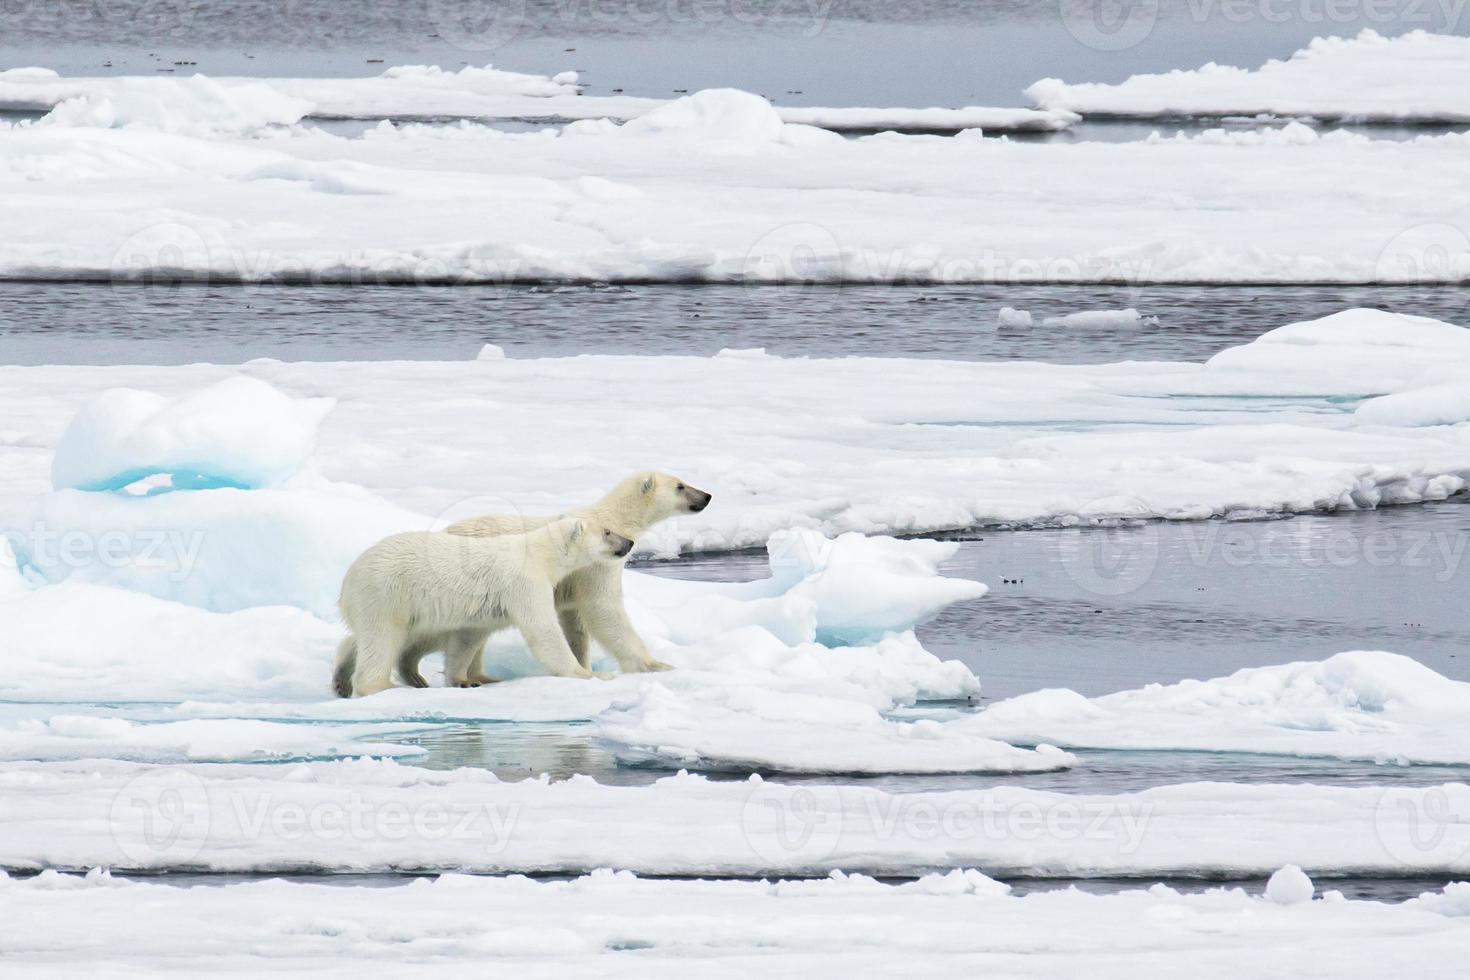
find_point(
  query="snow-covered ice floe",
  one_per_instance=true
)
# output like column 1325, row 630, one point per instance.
column 429, row 93
column 1361, row 705
column 380, row 815
column 1413, row 78
column 719, row 186
column 616, row 925
column 744, row 729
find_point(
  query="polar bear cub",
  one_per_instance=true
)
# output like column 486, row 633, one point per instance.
column 589, row 600
column 433, row 590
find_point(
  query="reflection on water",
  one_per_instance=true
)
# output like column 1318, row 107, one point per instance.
column 99, row 323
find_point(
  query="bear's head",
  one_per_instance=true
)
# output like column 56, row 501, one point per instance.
column 662, row 496
column 594, row 542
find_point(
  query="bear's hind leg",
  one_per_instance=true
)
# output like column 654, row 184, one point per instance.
column 378, row 651
column 462, row 660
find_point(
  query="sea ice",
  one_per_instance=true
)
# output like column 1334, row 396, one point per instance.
column 1413, row 78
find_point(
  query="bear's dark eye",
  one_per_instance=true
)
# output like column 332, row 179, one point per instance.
column 680, row 487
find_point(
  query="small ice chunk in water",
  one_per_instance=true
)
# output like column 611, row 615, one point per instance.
column 1290, row 886
column 491, row 352
column 1014, row 319
column 1101, row 319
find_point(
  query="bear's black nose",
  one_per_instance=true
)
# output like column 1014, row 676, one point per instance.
column 700, row 504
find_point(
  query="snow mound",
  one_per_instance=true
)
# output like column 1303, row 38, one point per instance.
column 1101, row 320
column 1413, row 78
column 1447, row 404
column 751, row 729
column 1362, row 351
column 239, row 432
column 1365, row 705
column 863, row 586
column 1290, row 886
column 193, row 106
column 716, row 115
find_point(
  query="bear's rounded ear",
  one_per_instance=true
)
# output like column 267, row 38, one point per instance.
column 648, row 482
column 578, row 528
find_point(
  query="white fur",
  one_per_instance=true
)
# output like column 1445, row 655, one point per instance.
column 589, row 601
column 437, row 591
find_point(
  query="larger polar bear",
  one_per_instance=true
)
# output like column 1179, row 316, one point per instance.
column 589, row 601
column 433, row 590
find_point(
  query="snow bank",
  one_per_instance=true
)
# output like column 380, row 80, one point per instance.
column 751, row 729
column 239, row 432
column 82, row 815
column 1413, row 78
column 1360, row 705
column 615, row 925
column 1101, row 320
column 794, row 204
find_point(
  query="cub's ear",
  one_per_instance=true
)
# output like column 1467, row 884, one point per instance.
column 648, row 482
column 578, row 529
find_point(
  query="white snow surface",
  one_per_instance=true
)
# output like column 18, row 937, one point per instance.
column 1415, row 77
column 612, row 924
column 1365, row 705
column 716, row 186
column 379, row 815
column 747, row 729
column 425, row 92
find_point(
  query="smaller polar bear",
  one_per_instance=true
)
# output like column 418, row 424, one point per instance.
column 426, row 589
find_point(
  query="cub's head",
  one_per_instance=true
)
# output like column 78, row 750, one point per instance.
column 663, row 496
column 595, row 542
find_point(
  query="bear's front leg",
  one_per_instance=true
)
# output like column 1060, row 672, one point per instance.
column 605, row 618
column 541, row 628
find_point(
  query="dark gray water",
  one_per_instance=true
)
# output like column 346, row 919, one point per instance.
column 845, row 52
column 100, row 323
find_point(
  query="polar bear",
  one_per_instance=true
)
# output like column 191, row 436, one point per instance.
column 438, row 591
column 589, row 601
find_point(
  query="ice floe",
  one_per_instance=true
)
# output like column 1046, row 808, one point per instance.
column 755, row 729
column 1360, row 705
column 421, row 93
column 380, row 815
column 612, row 924
column 718, row 186
column 1415, row 77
